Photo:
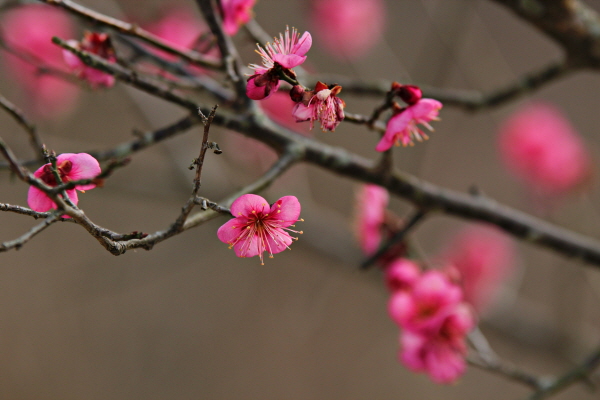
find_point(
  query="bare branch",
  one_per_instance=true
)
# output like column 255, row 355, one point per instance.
column 34, row 139
column 20, row 241
column 578, row 373
column 135, row 31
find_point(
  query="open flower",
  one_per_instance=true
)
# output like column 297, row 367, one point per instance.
column 421, row 308
column 285, row 53
column 98, row 44
column 70, row 167
column 258, row 227
column 401, row 275
column 235, row 14
column 323, row 105
column 403, row 127
column 440, row 352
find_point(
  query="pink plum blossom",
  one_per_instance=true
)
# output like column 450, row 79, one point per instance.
column 180, row 27
column 540, row 147
column 98, row 44
column 285, row 53
column 28, row 30
column 440, row 351
column 321, row 105
column 372, row 201
column 70, row 167
column 348, row 29
column 401, row 275
column 403, row 127
column 480, row 257
column 421, row 309
column 258, row 227
column 235, row 14
column 279, row 108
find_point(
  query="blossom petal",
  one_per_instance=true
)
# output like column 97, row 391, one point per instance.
column 247, row 203
column 303, row 45
column 289, row 60
column 230, row 230
column 38, row 201
column 302, row 112
column 287, row 209
column 84, row 166
column 281, row 241
column 425, row 109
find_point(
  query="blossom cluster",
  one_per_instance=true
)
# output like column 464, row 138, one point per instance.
column 434, row 319
column 435, row 309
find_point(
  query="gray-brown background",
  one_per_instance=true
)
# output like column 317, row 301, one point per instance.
column 190, row 320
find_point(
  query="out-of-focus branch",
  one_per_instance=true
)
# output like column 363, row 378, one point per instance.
column 34, row 138
column 228, row 51
column 571, row 23
column 486, row 359
column 135, row 31
column 578, row 373
column 416, row 218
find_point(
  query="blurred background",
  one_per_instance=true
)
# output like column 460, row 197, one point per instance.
column 190, row 320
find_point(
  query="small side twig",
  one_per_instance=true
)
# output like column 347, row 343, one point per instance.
column 398, row 237
column 578, row 373
column 20, row 241
column 17, row 114
column 135, row 31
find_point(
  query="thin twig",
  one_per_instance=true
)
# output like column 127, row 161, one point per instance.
column 228, row 51
column 20, row 241
column 578, row 373
column 17, row 114
column 469, row 100
column 397, row 238
column 135, row 31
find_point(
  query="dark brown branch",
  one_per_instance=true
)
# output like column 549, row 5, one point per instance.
column 228, row 51
column 571, row 23
column 135, row 31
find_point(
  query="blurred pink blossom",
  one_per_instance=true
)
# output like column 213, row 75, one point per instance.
column 403, row 126
column 440, row 351
column 348, row 29
column 70, row 167
column 179, row 26
column 401, row 275
column 372, row 201
column 235, row 14
column 321, row 105
column 285, row 53
column 279, row 108
column 540, row 147
column 479, row 258
column 421, row 308
column 28, row 31
column 98, row 44
column 258, row 227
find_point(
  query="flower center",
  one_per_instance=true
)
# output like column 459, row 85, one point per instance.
column 63, row 169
